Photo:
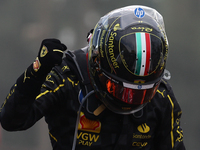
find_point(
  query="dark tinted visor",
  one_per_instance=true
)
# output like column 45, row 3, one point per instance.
column 136, row 94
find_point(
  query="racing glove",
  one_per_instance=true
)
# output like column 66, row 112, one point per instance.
column 50, row 54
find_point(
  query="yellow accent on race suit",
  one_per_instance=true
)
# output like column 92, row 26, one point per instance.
column 162, row 93
column 50, row 91
column 172, row 121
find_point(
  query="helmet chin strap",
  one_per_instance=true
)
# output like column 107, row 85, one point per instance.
column 99, row 110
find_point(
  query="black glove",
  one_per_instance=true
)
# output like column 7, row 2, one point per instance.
column 50, row 54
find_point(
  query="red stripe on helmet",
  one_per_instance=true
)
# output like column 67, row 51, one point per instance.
column 148, row 53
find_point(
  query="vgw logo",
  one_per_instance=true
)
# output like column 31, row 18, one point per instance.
column 139, row 12
column 89, row 131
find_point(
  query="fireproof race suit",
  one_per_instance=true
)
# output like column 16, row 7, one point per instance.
column 155, row 127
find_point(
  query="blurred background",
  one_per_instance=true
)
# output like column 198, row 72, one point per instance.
column 24, row 24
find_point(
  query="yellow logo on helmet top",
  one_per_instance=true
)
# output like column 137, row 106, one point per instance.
column 116, row 27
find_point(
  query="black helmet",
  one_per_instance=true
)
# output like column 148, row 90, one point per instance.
column 127, row 57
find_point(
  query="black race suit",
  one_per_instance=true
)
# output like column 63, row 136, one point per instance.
column 155, row 127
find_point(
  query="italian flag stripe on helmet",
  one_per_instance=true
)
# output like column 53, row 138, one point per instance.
column 143, row 53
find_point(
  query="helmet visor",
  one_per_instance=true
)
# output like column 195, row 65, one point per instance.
column 136, row 94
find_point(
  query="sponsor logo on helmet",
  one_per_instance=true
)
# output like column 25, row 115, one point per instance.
column 139, row 12
column 101, row 43
column 89, row 125
column 143, row 128
column 142, row 29
column 111, row 49
column 139, row 86
column 139, row 81
column 116, row 27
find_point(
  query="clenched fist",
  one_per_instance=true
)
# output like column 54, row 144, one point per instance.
column 50, row 54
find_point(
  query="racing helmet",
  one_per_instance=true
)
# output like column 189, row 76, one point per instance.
column 127, row 57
